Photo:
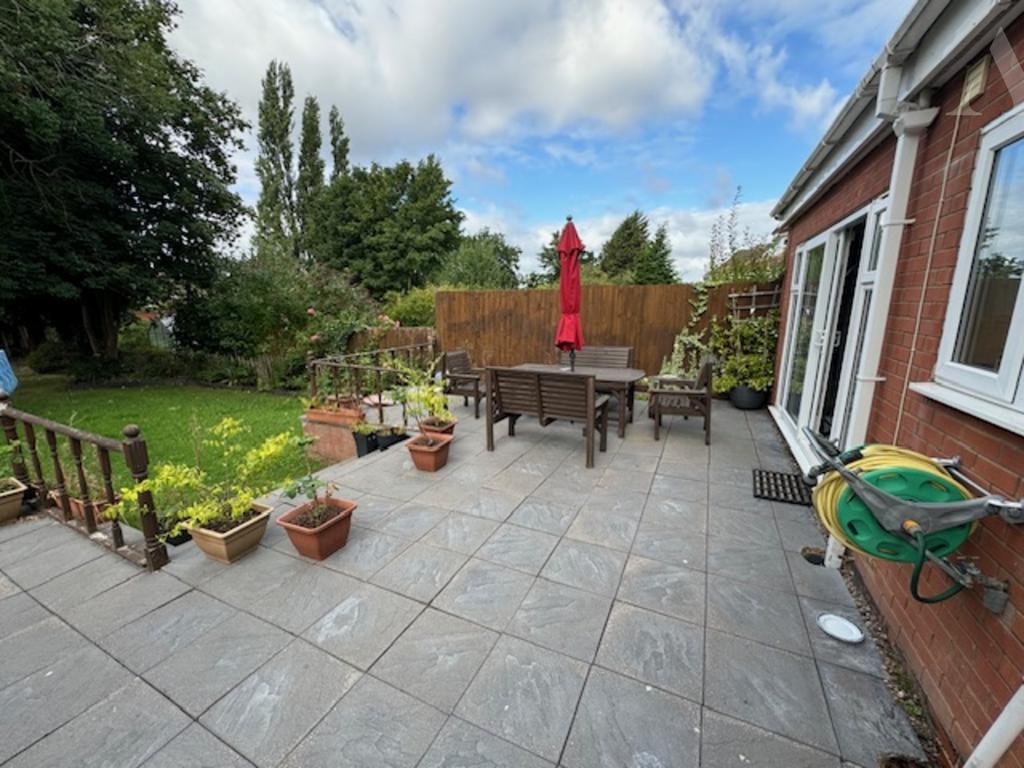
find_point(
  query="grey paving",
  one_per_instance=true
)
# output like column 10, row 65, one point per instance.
column 486, row 593
column 585, row 566
column 436, row 658
column 520, row 548
column 362, row 626
column 513, row 609
column 463, row 744
column 562, row 618
column 420, row 572
column 622, row 722
column 374, row 724
column 663, row 587
column 268, row 713
column 656, row 649
column 526, row 695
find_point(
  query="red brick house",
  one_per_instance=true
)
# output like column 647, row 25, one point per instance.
column 903, row 318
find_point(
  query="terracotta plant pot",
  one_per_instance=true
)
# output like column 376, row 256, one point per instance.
column 429, row 458
column 232, row 545
column 10, row 500
column 78, row 506
column 341, row 415
column 327, row 538
column 438, row 427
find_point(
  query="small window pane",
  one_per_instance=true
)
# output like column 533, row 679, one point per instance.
column 876, row 243
column 802, row 324
column 998, row 263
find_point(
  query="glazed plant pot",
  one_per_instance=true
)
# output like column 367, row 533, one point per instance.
column 365, row 443
column 328, row 537
column 429, row 451
column 438, row 427
column 10, row 499
column 232, row 545
column 747, row 399
column 386, row 440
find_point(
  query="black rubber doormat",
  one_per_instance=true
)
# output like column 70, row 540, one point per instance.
column 781, row 486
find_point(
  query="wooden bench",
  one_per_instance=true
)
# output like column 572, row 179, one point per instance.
column 672, row 396
column 550, row 397
column 461, row 378
column 607, row 357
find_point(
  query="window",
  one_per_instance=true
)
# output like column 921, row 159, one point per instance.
column 982, row 350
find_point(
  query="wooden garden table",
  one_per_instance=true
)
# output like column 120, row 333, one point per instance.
column 620, row 382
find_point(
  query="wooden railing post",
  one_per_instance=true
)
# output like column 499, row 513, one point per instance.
column 137, row 458
column 11, row 436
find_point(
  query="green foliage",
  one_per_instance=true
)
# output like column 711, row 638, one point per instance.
column 276, row 220
column 551, row 268
column 629, row 240
column 188, row 497
column 413, row 308
column 739, row 257
column 116, row 169
column 310, row 183
column 654, row 264
column 745, row 350
column 390, row 227
column 484, row 260
column 50, row 356
column 689, row 350
column 423, row 394
column 339, row 144
column 8, row 453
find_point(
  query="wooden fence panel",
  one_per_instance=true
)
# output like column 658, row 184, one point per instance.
column 512, row 327
column 362, row 341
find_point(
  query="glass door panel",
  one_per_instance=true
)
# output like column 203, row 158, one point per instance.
column 803, row 324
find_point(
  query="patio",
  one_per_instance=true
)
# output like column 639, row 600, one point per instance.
column 511, row 610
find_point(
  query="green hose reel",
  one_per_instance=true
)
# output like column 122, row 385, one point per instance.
column 913, row 485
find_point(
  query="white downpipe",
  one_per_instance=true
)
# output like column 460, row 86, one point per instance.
column 909, row 127
column 1001, row 735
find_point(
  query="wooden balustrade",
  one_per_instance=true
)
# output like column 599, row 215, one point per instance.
column 66, row 483
column 363, row 373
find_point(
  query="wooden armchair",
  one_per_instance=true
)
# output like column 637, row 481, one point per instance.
column 673, row 396
column 461, row 378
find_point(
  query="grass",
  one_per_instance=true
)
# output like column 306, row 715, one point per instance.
column 166, row 415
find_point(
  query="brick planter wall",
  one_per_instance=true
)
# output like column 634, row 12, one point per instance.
column 968, row 660
column 332, row 442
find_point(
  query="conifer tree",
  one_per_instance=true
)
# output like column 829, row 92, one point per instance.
column 654, row 265
column 624, row 247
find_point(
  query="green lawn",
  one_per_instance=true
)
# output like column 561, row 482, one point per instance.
column 165, row 414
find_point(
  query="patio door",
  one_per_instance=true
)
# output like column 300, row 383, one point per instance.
column 830, row 298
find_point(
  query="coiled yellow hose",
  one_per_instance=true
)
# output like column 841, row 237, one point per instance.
column 830, row 488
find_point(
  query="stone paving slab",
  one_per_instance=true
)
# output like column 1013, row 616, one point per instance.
column 514, row 609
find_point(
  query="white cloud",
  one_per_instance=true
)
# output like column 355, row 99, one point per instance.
column 689, row 231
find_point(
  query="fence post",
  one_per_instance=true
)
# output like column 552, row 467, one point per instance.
column 11, row 435
column 312, row 374
column 137, row 457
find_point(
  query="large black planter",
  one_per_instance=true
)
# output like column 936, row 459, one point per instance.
column 385, row 441
column 365, row 443
column 747, row 399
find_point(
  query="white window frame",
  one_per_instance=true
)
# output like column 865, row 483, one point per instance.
column 1003, row 386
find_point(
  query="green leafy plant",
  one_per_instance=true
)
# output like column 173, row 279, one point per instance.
column 423, row 396
column 187, row 498
column 689, row 351
column 318, row 492
column 364, row 428
column 745, row 350
column 8, row 452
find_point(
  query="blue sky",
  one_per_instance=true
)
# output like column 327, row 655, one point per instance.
column 541, row 108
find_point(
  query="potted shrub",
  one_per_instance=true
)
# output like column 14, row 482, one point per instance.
column 365, row 435
column 746, row 357
column 320, row 527
column 12, row 490
column 222, row 516
column 95, row 484
column 388, row 435
column 425, row 401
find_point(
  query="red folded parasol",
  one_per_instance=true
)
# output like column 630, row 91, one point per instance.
column 570, row 331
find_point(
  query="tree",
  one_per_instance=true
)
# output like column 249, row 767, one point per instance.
column 115, row 167
column 339, row 144
column 310, row 183
column 627, row 242
column 483, row 260
column 549, row 261
column 654, row 266
column 276, row 220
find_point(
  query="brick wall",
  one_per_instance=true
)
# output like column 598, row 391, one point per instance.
column 968, row 660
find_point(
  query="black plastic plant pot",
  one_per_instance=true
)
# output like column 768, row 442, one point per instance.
column 386, row 441
column 182, row 538
column 747, row 399
column 365, row 443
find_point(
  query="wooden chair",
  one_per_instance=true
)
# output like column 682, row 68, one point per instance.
column 550, row 397
column 672, row 396
column 601, row 357
column 461, row 378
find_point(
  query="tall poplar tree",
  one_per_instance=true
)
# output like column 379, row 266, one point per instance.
column 310, row 183
column 339, row 144
column 276, row 221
